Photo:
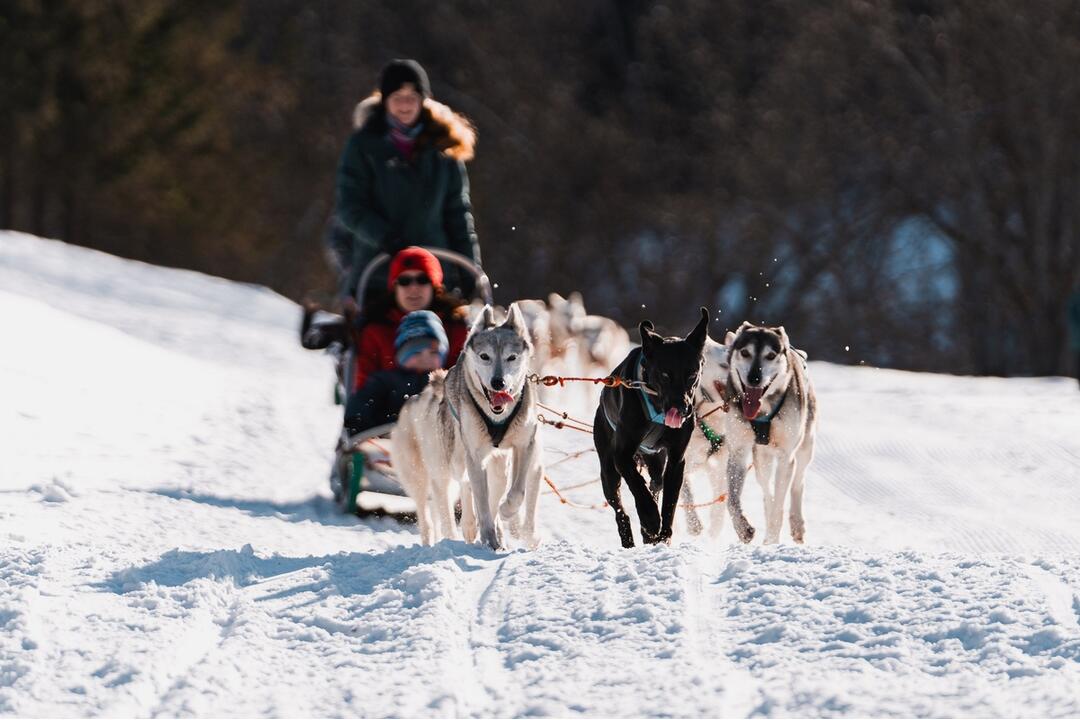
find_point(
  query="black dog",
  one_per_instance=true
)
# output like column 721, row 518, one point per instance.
column 653, row 422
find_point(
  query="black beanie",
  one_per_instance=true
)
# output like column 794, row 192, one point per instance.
column 399, row 72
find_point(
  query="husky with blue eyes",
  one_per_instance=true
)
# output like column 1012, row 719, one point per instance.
column 475, row 423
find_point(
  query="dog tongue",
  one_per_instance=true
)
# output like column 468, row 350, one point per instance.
column 501, row 398
column 751, row 402
column 673, row 418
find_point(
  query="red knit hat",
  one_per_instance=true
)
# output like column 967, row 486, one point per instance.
column 415, row 258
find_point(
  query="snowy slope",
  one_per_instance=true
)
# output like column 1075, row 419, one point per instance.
column 169, row 546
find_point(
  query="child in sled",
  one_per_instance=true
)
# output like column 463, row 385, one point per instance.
column 415, row 282
column 420, row 346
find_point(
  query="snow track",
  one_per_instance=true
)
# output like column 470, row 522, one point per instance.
column 170, row 549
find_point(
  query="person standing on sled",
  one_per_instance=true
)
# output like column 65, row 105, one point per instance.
column 401, row 180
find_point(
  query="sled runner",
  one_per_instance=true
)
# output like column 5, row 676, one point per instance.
column 362, row 479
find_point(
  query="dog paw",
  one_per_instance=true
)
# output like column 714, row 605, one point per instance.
column 746, row 532
column 798, row 530
column 649, row 538
column 491, row 535
column 693, row 523
column 650, row 523
column 510, row 506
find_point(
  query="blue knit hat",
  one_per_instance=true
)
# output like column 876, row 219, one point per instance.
column 415, row 333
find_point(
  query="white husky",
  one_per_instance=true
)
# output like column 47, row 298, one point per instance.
column 471, row 424
column 773, row 422
column 707, row 453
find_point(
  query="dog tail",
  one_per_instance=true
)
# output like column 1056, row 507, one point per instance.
column 437, row 384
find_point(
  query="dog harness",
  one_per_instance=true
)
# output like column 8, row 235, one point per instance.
column 763, row 427
column 496, row 430
column 612, row 403
column 716, row 440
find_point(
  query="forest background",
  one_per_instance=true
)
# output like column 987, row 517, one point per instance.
column 895, row 182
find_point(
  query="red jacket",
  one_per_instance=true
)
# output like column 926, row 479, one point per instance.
column 375, row 346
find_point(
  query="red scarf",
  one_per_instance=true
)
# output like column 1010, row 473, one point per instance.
column 403, row 138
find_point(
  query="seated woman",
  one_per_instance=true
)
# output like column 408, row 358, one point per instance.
column 419, row 348
column 415, row 283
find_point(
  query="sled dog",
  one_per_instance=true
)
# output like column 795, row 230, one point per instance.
column 596, row 342
column 538, row 322
column 655, row 422
column 707, row 452
column 474, row 423
column 772, row 422
column 561, row 315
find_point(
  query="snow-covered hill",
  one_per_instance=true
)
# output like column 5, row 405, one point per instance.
column 168, row 546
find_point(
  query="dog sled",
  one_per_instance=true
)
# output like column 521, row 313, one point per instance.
column 362, row 479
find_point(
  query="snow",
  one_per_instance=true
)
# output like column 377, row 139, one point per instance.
column 168, row 545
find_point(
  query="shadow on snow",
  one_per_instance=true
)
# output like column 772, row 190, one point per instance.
column 317, row 508
column 349, row 573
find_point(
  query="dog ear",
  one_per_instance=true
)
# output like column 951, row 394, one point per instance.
column 785, row 344
column 484, row 320
column 729, row 339
column 515, row 320
column 645, row 328
column 701, row 330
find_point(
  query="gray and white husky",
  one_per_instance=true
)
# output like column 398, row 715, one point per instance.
column 772, row 421
column 474, row 423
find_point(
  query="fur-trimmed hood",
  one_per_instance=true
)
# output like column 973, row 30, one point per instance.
column 451, row 133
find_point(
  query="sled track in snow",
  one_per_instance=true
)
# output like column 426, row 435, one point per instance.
column 555, row 631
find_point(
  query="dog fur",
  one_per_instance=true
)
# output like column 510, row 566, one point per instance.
column 701, row 455
column 769, row 378
column 598, row 342
column 561, row 315
column 537, row 318
column 444, row 434
column 670, row 368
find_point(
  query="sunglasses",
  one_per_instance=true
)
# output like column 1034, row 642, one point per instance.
column 407, row 280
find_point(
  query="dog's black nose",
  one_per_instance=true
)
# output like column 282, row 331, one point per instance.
column 497, row 383
column 754, row 378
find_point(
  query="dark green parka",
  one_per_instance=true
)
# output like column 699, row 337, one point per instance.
column 387, row 203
